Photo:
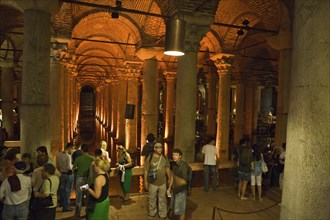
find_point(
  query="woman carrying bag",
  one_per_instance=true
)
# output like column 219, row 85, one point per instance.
column 99, row 192
column 49, row 187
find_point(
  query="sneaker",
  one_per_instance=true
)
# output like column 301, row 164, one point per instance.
column 244, row 198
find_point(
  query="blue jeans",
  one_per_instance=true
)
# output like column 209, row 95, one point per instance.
column 19, row 212
column 66, row 183
column 79, row 194
column 207, row 169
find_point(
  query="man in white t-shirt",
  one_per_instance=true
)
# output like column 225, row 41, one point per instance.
column 210, row 162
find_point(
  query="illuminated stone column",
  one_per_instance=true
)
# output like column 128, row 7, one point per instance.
column 122, row 93
column 282, row 42
column 98, row 107
column 249, row 96
column 149, row 99
column 223, row 63
column 256, row 110
column 114, row 106
column 169, row 106
column 186, row 88
column 35, row 106
column 211, row 78
column 57, row 98
column 133, row 70
column 7, row 96
column 185, row 107
column 149, row 114
column 306, row 190
column 239, row 117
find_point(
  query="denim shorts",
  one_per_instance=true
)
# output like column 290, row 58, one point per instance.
column 180, row 203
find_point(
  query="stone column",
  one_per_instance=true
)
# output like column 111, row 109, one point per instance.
column 35, row 106
column 248, row 110
column 222, row 62
column 149, row 114
column 122, row 91
column 7, row 96
column 211, row 78
column 169, row 106
column 306, row 190
column 186, row 89
column 239, row 117
column 57, row 99
column 256, row 110
column 282, row 42
column 149, row 99
column 132, row 73
column 114, row 106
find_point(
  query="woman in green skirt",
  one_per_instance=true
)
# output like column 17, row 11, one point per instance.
column 99, row 202
column 125, row 165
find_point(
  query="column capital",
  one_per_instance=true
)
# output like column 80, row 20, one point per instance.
column 58, row 53
column 48, row 6
column 223, row 62
column 194, row 34
column 133, row 69
column 281, row 41
column 169, row 76
column 150, row 52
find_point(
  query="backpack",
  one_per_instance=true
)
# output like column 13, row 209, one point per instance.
column 189, row 176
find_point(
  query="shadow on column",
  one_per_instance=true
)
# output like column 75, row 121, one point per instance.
column 87, row 115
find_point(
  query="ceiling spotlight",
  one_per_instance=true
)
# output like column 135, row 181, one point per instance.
column 174, row 37
column 245, row 22
column 115, row 14
column 240, row 32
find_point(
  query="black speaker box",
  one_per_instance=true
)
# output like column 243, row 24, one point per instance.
column 129, row 111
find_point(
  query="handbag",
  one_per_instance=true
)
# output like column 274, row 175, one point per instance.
column 264, row 167
column 40, row 203
column 152, row 173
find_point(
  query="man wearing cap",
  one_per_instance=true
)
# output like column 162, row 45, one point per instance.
column 157, row 188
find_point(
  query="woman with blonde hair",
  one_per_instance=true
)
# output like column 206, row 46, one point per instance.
column 105, row 153
column 99, row 192
column 124, row 165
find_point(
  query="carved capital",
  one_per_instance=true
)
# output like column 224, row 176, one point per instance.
column 58, row 53
column 170, row 76
column 149, row 52
column 223, row 62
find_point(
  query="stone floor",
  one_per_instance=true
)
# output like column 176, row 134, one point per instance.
column 200, row 206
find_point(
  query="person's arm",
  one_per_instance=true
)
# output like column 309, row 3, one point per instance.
column 146, row 170
column 45, row 189
column 2, row 190
column 98, row 183
column 128, row 159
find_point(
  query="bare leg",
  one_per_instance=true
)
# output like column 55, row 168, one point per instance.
column 260, row 192
column 239, row 188
column 244, row 189
column 253, row 189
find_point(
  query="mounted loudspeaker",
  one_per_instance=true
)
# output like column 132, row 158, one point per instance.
column 129, row 111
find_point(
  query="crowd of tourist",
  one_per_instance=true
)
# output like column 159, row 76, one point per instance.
column 25, row 181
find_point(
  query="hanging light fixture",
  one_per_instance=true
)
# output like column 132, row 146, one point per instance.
column 174, row 37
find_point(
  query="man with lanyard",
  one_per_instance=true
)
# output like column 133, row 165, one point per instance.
column 179, row 184
column 157, row 189
column 64, row 165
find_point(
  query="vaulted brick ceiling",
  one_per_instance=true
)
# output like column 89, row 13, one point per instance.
column 83, row 20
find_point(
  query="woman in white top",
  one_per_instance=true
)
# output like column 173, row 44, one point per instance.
column 49, row 187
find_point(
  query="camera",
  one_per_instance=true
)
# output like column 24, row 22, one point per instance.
column 84, row 187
